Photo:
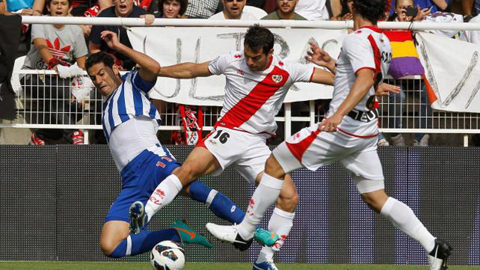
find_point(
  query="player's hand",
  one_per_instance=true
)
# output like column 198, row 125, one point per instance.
column 384, row 89
column 111, row 39
column 402, row 15
column 330, row 124
column 318, row 56
column 149, row 18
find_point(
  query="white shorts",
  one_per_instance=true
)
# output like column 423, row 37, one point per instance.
column 312, row 149
column 246, row 152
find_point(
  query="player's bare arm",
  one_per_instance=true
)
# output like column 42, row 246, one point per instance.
column 149, row 67
column 323, row 77
column 363, row 83
column 186, row 71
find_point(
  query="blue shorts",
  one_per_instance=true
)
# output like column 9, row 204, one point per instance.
column 139, row 179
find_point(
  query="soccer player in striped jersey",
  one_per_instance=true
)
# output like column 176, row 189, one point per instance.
column 130, row 123
column 348, row 134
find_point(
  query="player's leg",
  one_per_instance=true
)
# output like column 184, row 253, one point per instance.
column 366, row 170
column 280, row 223
column 281, row 161
column 200, row 162
column 220, row 205
column 116, row 241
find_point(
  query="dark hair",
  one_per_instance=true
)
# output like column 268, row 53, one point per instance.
column 345, row 9
column 47, row 3
column 259, row 37
column 183, row 6
column 99, row 57
column 372, row 10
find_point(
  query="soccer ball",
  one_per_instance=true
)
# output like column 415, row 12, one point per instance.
column 167, row 255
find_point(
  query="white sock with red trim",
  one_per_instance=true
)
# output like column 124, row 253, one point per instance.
column 402, row 217
column 164, row 194
column 264, row 196
column 280, row 223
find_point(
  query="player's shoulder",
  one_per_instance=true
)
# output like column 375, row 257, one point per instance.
column 233, row 57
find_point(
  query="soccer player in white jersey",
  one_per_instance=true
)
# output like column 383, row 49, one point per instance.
column 348, row 134
column 130, row 123
column 257, row 83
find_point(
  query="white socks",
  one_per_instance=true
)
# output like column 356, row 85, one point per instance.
column 264, row 196
column 164, row 194
column 404, row 219
column 280, row 223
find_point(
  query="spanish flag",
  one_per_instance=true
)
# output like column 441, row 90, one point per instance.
column 405, row 59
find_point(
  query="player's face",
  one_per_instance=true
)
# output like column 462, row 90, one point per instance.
column 257, row 60
column 234, row 8
column 59, row 8
column 104, row 78
column 171, row 9
column 123, row 7
column 286, row 6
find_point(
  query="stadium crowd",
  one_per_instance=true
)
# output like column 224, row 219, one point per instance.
column 45, row 51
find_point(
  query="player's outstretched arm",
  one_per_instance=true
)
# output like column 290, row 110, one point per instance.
column 360, row 88
column 149, row 67
column 322, row 76
column 186, row 71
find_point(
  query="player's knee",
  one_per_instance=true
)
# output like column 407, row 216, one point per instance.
column 273, row 168
column 373, row 202
column 187, row 173
column 108, row 247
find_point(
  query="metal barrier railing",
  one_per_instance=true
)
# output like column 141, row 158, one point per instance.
column 46, row 101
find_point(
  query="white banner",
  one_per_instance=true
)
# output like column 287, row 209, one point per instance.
column 172, row 45
column 453, row 70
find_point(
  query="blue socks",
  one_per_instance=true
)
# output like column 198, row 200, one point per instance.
column 217, row 202
column 144, row 241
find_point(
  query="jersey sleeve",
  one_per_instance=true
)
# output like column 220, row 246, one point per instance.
column 140, row 83
column 218, row 65
column 301, row 72
column 359, row 52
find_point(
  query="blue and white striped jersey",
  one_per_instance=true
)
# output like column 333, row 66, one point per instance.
column 127, row 101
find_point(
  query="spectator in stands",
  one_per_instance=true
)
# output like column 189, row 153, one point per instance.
column 124, row 9
column 285, row 11
column 55, row 46
column 313, row 10
column 171, row 9
column 202, row 9
column 233, row 10
column 346, row 12
column 400, row 12
column 79, row 7
column 22, row 7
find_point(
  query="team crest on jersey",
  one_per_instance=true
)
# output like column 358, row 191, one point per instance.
column 277, row 78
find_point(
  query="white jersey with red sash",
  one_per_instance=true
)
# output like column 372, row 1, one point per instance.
column 252, row 99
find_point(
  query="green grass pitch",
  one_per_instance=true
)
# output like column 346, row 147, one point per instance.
column 204, row 266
